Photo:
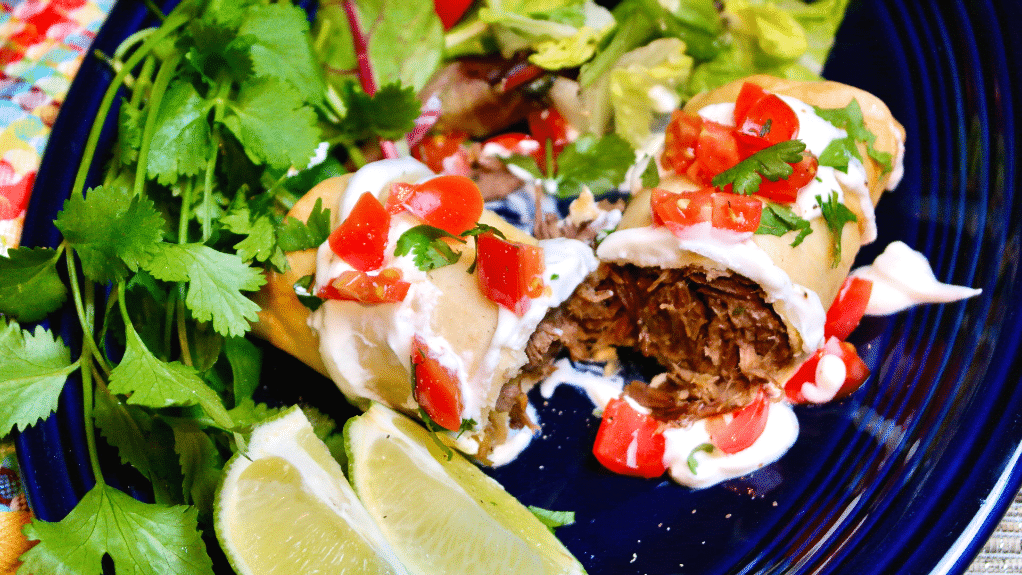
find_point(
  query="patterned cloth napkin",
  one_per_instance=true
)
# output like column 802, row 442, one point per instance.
column 42, row 43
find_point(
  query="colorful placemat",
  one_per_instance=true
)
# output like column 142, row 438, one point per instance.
column 42, row 43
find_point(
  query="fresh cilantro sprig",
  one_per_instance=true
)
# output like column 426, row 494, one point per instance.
column 772, row 163
column 840, row 151
column 836, row 214
column 597, row 163
column 219, row 106
column 427, row 246
column 429, row 249
column 777, row 220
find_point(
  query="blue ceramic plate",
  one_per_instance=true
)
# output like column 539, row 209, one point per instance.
column 909, row 475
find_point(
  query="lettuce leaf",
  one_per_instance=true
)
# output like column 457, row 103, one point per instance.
column 644, row 86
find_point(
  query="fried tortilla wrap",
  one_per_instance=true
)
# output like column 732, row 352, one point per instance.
column 728, row 313
column 367, row 349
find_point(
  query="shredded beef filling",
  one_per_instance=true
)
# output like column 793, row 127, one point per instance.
column 712, row 332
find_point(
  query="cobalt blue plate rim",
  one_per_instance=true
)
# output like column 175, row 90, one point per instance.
column 911, row 474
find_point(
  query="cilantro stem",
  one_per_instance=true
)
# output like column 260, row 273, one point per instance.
column 84, row 318
column 163, row 78
column 220, row 106
column 155, row 10
column 172, row 23
column 182, row 326
column 89, row 354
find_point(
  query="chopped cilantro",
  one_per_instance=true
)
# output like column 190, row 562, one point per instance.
column 693, row 463
column 554, row 277
column 777, row 220
column 836, row 214
column 553, row 519
column 427, row 246
column 772, row 163
column 851, row 120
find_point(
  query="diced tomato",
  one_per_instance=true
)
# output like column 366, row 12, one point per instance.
column 747, row 96
column 848, row 308
column 723, row 210
column 629, row 442
column 384, row 287
column 736, row 212
column 716, row 149
column 451, row 203
column 767, row 122
column 434, row 148
column 510, row 273
column 450, row 11
column 361, row 239
column 735, row 431
column 681, row 137
column 856, row 370
column 550, row 129
column 786, row 190
column 435, row 389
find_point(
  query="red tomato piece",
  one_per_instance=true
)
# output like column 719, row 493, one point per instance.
column 435, row 389
column 736, row 212
column 450, row 11
column 856, row 370
column 680, row 210
column 770, row 120
column 361, row 239
column 629, row 442
column 735, row 431
column 510, row 273
column 434, row 148
column 716, row 149
column 723, row 210
column 848, row 308
column 786, row 191
column 550, row 129
column 384, row 287
column 681, row 137
column 451, row 203
column 747, row 96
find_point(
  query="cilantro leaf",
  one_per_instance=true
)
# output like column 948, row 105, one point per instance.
column 850, row 119
column 201, row 464
column 215, row 280
column 152, row 382
column 650, row 176
column 270, row 120
column 294, row 235
column 839, row 152
column 245, row 359
column 305, row 297
column 836, row 214
column 129, row 133
column 390, row 113
column 553, row 519
column 182, row 141
column 260, row 241
column 137, row 536
column 693, row 463
column 597, row 163
column 111, row 230
column 772, row 163
column 426, row 244
column 281, row 48
column 30, row 286
column 33, row 369
column 116, row 421
column 777, row 220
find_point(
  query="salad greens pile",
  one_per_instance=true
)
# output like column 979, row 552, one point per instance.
column 227, row 112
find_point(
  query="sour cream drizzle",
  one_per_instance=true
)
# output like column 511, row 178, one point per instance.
column 902, row 278
column 715, row 466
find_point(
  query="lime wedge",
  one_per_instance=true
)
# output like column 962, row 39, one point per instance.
column 284, row 507
column 443, row 516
